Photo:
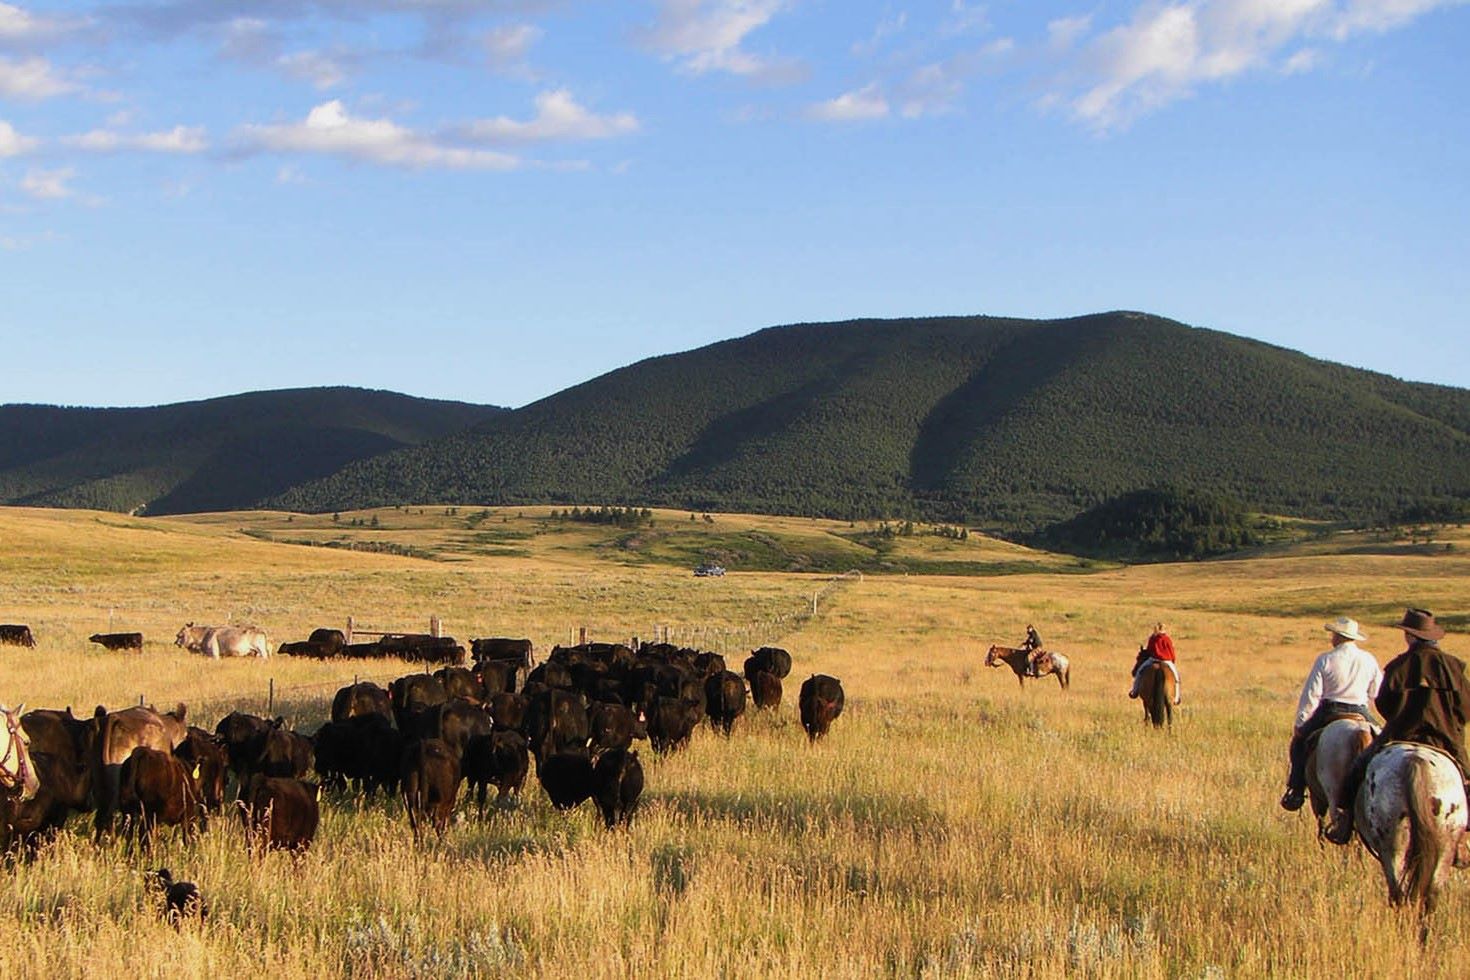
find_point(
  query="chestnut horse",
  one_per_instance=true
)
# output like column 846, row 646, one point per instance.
column 1156, row 691
column 1017, row 659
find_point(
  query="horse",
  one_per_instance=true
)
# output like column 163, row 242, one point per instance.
column 1019, row 661
column 1331, row 755
column 224, row 641
column 1410, row 814
column 1156, row 691
column 17, row 773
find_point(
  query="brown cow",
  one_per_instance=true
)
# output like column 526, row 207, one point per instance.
column 156, row 788
column 820, row 701
column 16, row 635
column 280, row 813
column 430, row 783
column 115, row 736
column 204, row 756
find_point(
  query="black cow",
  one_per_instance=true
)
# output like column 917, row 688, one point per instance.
column 26, row 825
column 181, row 899
column 412, row 695
column 773, row 660
column 365, row 749
column 362, row 651
column 517, row 652
column 205, row 757
column 461, row 682
column 308, row 648
column 117, row 641
column 556, row 720
column 280, row 813
column 243, row 736
column 156, row 788
column 455, row 722
column 70, row 741
column 820, row 701
column 430, row 775
column 508, row 711
column 612, row 726
column 499, row 759
column 333, row 640
column 725, row 699
column 16, row 635
column 567, row 777
column 496, row 676
column 709, row 664
column 671, row 722
column 283, row 753
column 362, row 698
column 765, row 690
column 617, row 782
column 422, row 648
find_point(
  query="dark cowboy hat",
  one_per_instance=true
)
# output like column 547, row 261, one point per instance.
column 1420, row 623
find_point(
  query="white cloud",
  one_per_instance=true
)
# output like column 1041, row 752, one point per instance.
column 32, row 78
column 258, row 43
column 1170, row 47
column 12, row 144
column 860, row 105
column 180, row 139
column 48, row 185
column 506, row 47
column 328, row 129
column 558, row 117
column 21, row 27
column 321, row 70
column 706, row 36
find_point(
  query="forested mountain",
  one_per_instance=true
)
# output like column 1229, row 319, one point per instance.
column 220, row 454
column 1011, row 423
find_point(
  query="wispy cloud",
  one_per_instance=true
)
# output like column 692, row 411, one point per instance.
column 1168, row 49
column 33, row 78
column 860, row 105
column 20, row 28
column 558, row 117
column 330, row 130
column 12, row 143
column 704, row 36
column 507, row 46
column 49, row 185
column 180, row 139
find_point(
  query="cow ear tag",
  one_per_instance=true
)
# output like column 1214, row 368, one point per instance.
column 196, row 770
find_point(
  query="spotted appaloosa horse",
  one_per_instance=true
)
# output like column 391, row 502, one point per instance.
column 1017, row 659
column 1337, row 744
column 1410, row 813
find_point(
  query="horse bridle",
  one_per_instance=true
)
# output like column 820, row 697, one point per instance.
column 16, row 779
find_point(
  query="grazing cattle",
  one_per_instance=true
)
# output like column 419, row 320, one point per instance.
column 224, row 641
column 496, row 676
column 422, row 648
column 553, row 673
column 26, row 824
column 567, row 777
column 708, row 665
column 617, row 782
column 671, row 723
column 412, row 695
column 430, row 778
column 307, row 648
column 117, row 641
column 612, row 726
column 820, row 701
column 115, row 736
column 156, row 788
column 283, row 753
column 205, row 757
column 363, row 651
column 508, row 711
column 280, row 813
column 181, row 899
column 16, row 635
column 455, row 722
column 243, row 737
column 724, row 695
column 773, row 660
column 461, row 682
column 556, row 720
column 362, row 698
column 765, row 690
column 333, row 640
column 365, row 749
column 517, row 652
column 69, row 741
column 499, row 759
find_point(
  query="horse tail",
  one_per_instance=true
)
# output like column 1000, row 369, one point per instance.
column 1422, row 860
column 1158, row 698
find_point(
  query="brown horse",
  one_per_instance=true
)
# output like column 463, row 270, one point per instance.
column 1156, row 691
column 1018, row 660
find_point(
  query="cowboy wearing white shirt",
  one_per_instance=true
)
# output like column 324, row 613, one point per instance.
column 1343, row 681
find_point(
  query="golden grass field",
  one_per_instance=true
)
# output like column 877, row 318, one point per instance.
column 952, row 825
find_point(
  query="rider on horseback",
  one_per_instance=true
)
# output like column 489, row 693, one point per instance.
column 1342, row 682
column 1161, row 648
column 1424, row 698
column 1034, row 651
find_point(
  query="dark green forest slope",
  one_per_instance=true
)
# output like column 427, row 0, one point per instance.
column 220, row 454
column 1011, row 423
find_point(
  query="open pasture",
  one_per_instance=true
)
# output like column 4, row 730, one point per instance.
column 953, row 824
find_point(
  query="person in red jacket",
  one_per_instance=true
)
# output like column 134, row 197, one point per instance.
column 1161, row 648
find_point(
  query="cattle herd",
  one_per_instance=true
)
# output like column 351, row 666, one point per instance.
column 481, row 723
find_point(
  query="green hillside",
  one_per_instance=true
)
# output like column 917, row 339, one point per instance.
column 1010, row 423
column 219, row 454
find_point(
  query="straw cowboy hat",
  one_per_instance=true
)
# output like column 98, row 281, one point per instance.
column 1420, row 623
column 1345, row 627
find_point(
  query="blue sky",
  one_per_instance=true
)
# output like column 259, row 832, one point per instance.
column 494, row 200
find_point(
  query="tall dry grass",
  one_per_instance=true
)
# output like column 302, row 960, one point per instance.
column 953, row 824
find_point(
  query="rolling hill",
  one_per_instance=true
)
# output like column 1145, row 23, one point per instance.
column 220, row 454
column 1007, row 422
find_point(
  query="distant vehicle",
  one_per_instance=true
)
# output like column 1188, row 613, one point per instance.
column 706, row 571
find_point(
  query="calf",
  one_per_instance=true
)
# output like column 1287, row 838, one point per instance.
column 181, row 899
column 156, row 788
column 16, row 635
column 280, row 813
column 362, row 698
column 725, row 699
column 430, row 777
column 765, row 690
column 820, row 701
column 617, row 782
column 499, row 759
column 567, row 777
column 117, row 641
column 671, row 723
column 204, row 756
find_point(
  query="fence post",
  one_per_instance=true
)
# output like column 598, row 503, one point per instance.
column 270, row 702
column 582, row 636
column 436, row 628
column 349, row 629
